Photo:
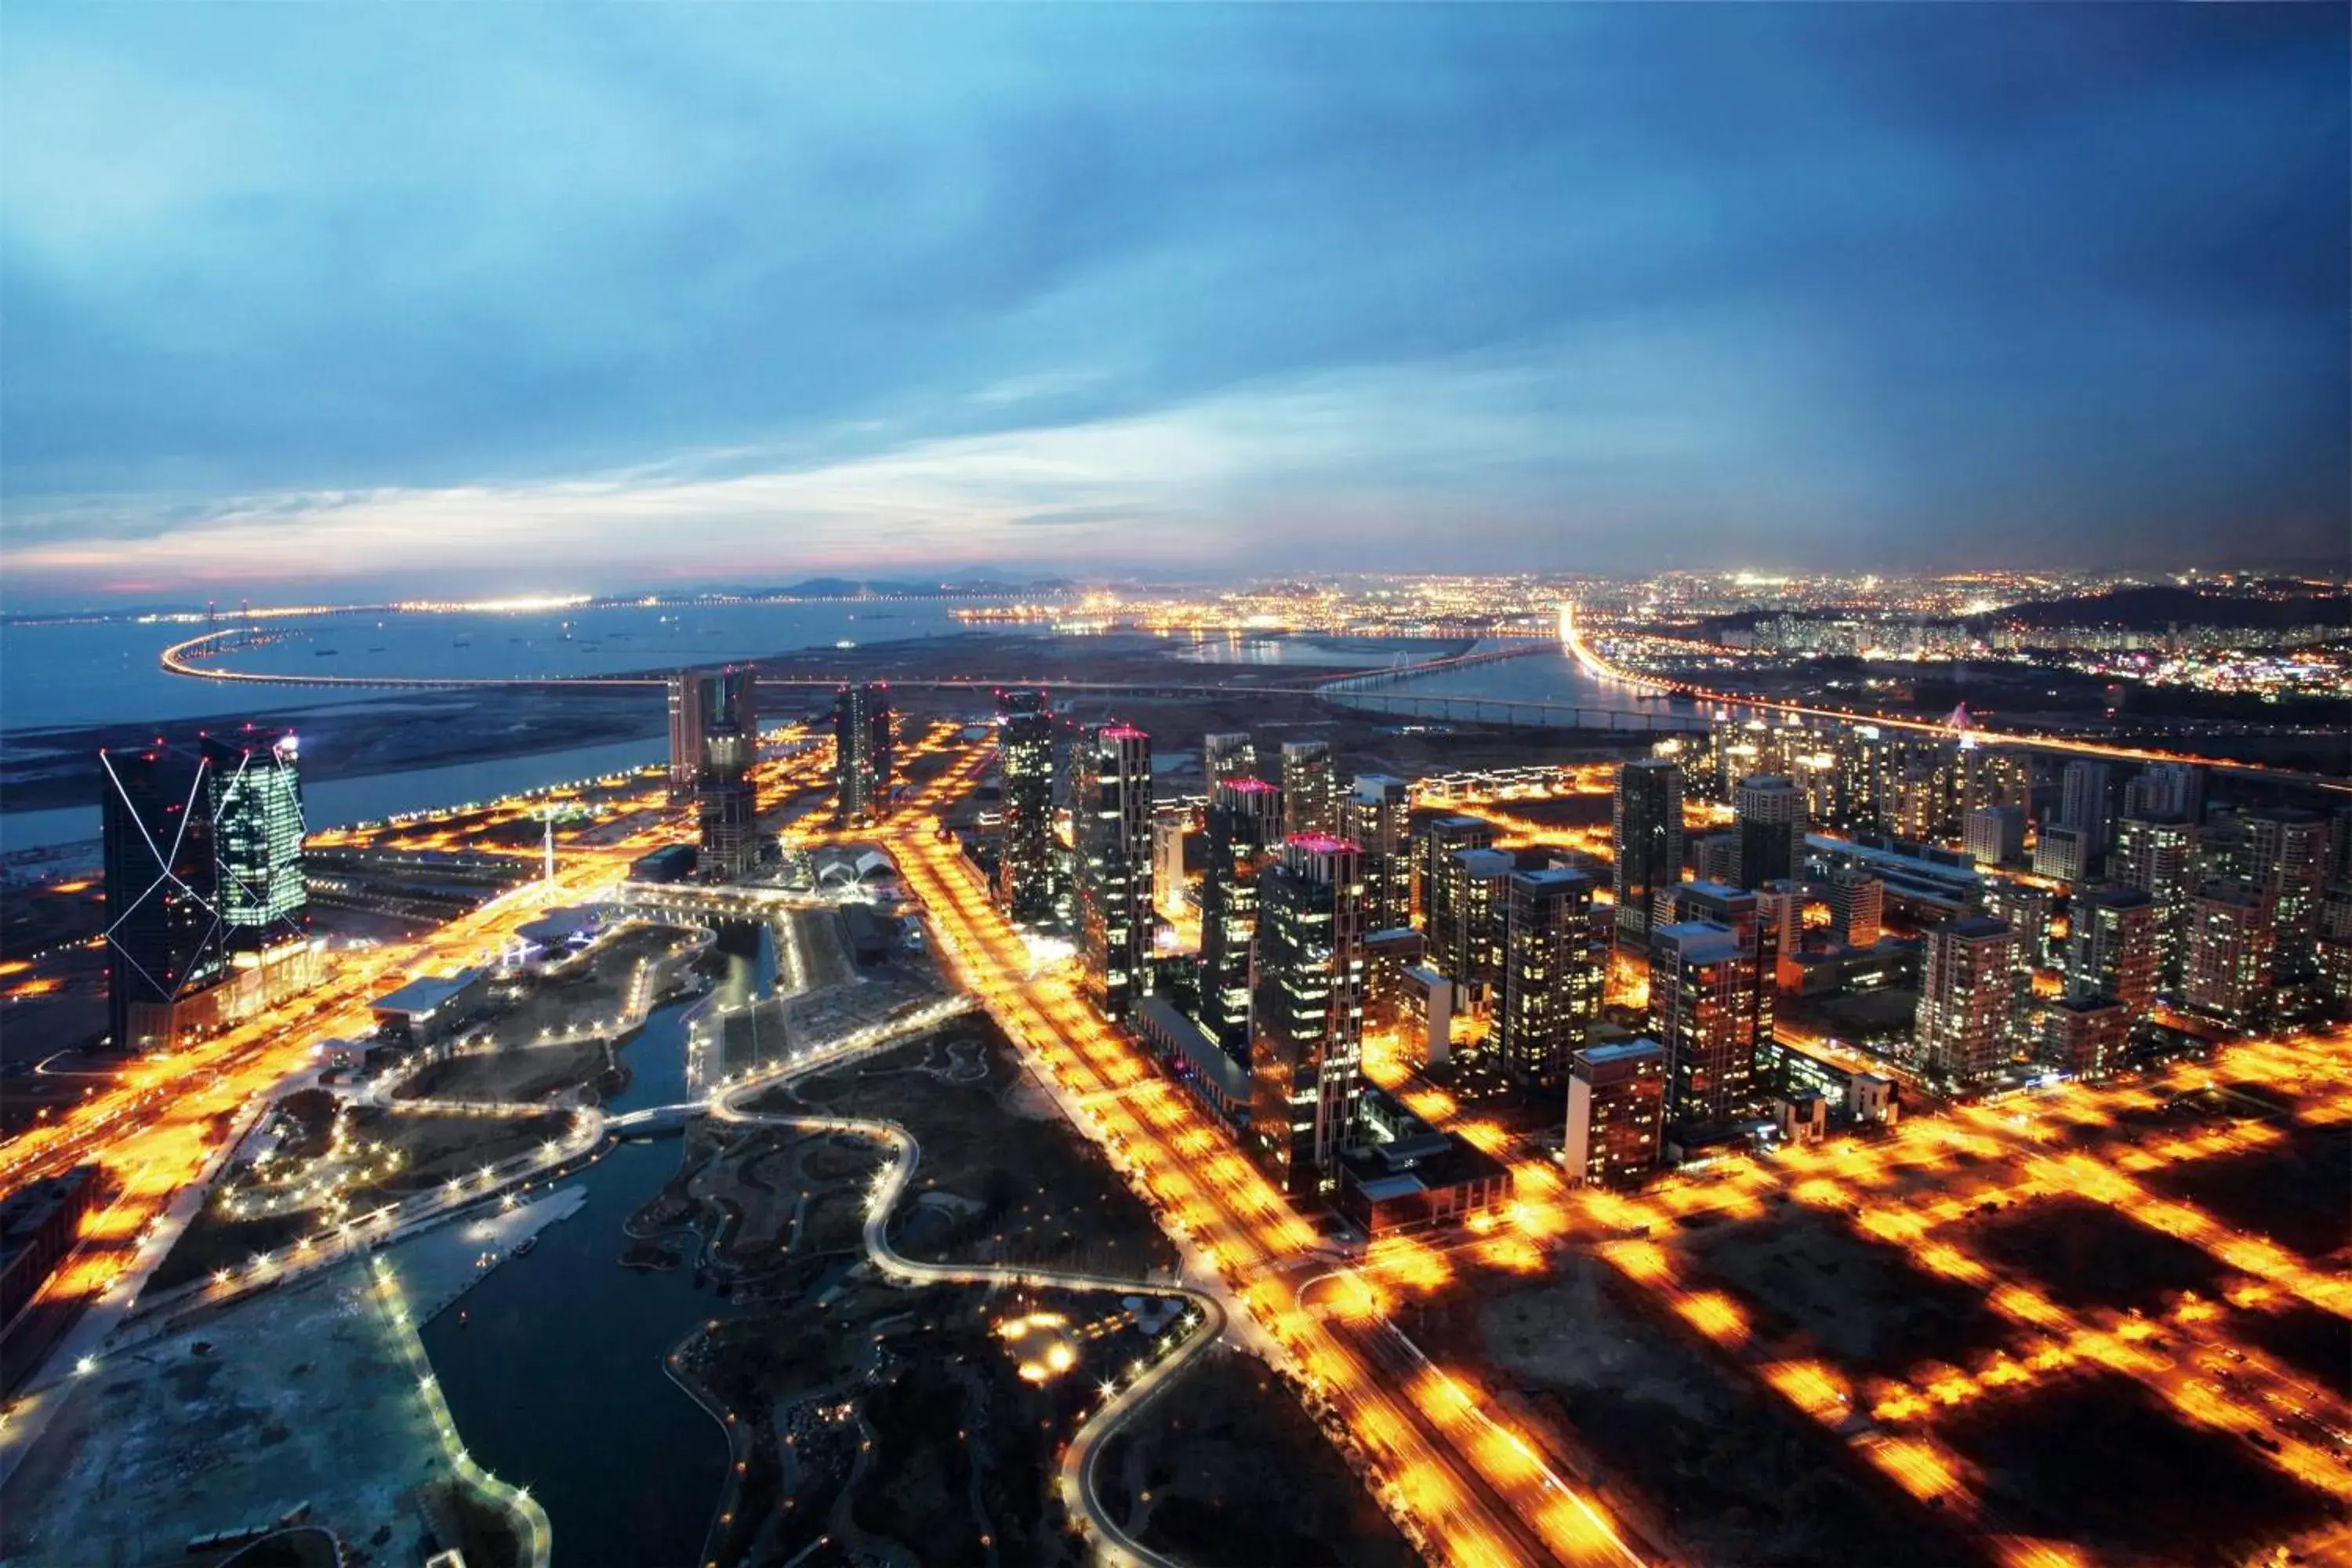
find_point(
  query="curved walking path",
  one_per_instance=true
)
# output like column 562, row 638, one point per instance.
column 1080, row 1458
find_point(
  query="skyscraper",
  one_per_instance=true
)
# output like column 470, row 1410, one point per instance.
column 863, row 760
column 1309, row 799
column 2232, row 953
column 163, row 944
column 1228, row 755
column 1308, row 1018
column 1433, row 841
column 685, row 733
column 207, row 903
column 1967, row 1000
column 254, row 793
column 1242, row 826
column 2111, row 950
column 1772, row 828
column 726, row 788
column 1024, row 769
column 1376, row 813
column 1741, row 913
column 1647, row 821
column 1552, row 973
column 1110, row 818
column 1703, row 985
column 1465, row 918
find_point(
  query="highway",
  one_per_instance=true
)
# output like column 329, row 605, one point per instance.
column 1476, row 1501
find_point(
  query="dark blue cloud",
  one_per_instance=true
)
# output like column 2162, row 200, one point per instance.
column 1801, row 285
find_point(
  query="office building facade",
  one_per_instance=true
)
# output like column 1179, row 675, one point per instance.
column 207, row 903
column 1770, row 830
column 864, row 751
column 685, row 733
column 725, row 787
column 1646, row 824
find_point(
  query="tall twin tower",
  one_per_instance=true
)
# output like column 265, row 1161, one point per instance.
column 714, row 758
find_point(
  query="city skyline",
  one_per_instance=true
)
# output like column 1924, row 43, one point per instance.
column 1567, row 289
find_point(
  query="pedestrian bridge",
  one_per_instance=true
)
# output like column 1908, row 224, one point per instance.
column 657, row 1118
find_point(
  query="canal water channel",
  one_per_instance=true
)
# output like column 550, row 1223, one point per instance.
column 556, row 1377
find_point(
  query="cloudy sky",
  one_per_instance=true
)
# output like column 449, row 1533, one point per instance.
column 497, row 298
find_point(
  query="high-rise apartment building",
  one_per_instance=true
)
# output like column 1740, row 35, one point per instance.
column 1024, row 772
column 2026, row 910
column 1967, row 1000
column 1170, row 826
column 1308, row 1018
column 1857, row 906
column 2283, row 850
column 1995, row 835
column 1241, row 827
column 863, row 751
column 2087, row 1036
column 1616, row 1111
column 1310, row 792
column 726, row 784
column 1646, row 822
column 2162, row 791
column 1703, row 989
column 1465, row 918
column 1229, row 754
column 2111, row 951
column 1772, row 830
column 1376, row 813
column 1552, row 973
column 2086, row 788
column 1433, row 841
column 2232, row 953
column 1110, row 821
column 2064, row 854
column 1741, row 911
column 2159, row 857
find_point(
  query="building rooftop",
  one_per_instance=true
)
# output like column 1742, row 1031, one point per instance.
column 1700, row 941
column 1976, row 928
column 425, row 994
column 1630, row 1050
column 1322, row 843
